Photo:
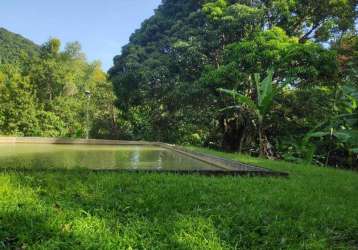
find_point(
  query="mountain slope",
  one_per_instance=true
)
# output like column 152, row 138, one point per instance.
column 14, row 46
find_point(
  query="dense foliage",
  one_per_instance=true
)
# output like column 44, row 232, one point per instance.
column 43, row 92
column 167, row 78
column 14, row 47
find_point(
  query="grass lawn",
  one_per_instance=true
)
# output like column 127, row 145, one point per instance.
column 315, row 208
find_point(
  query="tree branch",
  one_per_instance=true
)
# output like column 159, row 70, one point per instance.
column 305, row 37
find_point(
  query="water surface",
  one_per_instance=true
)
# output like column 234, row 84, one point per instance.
column 55, row 156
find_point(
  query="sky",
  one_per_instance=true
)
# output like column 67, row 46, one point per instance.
column 101, row 26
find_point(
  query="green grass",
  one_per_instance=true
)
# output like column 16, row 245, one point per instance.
column 315, row 208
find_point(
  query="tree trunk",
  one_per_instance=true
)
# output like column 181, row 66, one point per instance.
column 261, row 140
column 242, row 140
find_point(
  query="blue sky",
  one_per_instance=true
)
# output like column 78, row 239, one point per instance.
column 101, row 26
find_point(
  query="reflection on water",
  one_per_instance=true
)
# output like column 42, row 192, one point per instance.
column 95, row 157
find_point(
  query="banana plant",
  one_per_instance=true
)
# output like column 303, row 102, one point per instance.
column 343, row 127
column 260, row 105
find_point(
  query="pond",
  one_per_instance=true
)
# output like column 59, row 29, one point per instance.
column 125, row 157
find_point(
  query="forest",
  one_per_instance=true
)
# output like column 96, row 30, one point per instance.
column 269, row 78
column 43, row 91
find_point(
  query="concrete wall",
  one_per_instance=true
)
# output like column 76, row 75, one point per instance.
column 42, row 140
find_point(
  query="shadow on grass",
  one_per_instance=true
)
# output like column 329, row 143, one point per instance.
column 100, row 210
column 23, row 226
column 217, row 173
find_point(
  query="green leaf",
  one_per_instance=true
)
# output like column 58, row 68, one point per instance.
column 317, row 134
column 350, row 90
column 343, row 136
column 239, row 98
column 258, row 82
column 265, row 93
column 227, row 91
column 230, row 108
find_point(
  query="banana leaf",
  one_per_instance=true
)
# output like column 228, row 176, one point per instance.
column 241, row 99
column 265, row 92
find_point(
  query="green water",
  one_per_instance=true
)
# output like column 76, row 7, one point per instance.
column 51, row 156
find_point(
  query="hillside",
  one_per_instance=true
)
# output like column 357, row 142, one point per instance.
column 14, row 46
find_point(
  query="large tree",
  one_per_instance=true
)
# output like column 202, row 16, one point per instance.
column 166, row 77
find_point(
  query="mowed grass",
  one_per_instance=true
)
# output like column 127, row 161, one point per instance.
column 315, row 208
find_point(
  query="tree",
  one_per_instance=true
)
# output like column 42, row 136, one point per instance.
column 259, row 104
column 167, row 76
column 18, row 110
column 321, row 19
column 44, row 95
